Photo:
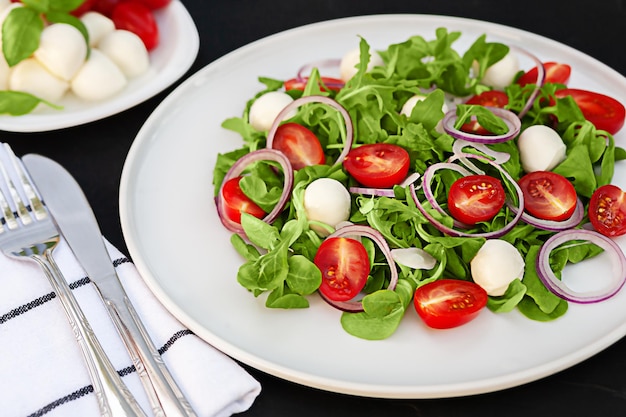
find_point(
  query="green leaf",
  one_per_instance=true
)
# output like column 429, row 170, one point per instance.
column 17, row 103
column 62, row 17
column 383, row 311
column 21, row 32
column 259, row 232
column 303, row 277
column 41, row 6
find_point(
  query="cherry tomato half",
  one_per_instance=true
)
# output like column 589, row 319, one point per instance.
column 448, row 303
column 236, row 202
column 548, row 195
column 380, row 165
column 344, row 265
column 604, row 112
column 555, row 73
column 475, row 198
column 137, row 18
column 491, row 98
column 607, row 210
column 154, row 4
column 334, row 84
column 299, row 144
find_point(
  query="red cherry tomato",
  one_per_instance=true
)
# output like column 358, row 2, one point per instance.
column 154, row 4
column 137, row 18
column 491, row 98
column 380, row 165
column 334, row 84
column 475, row 198
column 548, row 195
column 448, row 303
column 555, row 73
column 299, row 144
column 607, row 210
column 604, row 112
column 344, row 265
column 236, row 202
column 86, row 6
column 105, row 7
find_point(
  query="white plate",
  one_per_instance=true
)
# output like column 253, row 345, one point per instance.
column 178, row 47
column 177, row 242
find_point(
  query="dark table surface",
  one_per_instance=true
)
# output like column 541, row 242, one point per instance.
column 95, row 154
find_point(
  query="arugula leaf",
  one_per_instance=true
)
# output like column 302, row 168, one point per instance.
column 485, row 118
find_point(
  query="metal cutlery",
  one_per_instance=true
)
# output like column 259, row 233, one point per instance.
column 27, row 230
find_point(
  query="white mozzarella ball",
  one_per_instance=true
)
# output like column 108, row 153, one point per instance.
column 347, row 67
column 31, row 77
column 5, row 71
column 4, row 4
column 128, row 52
column 408, row 106
column 264, row 110
column 98, row 78
column 501, row 74
column 541, row 148
column 496, row 265
column 62, row 50
column 98, row 26
column 326, row 200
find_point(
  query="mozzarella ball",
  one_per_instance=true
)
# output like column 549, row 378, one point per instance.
column 541, row 148
column 127, row 51
column 62, row 50
column 98, row 78
column 502, row 73
column 4, row 4
column 5, row 71
column 326, row 200
column 350, row 60
column 31, row 77
column 264, row 110
column 496, row 265
column 98, row 26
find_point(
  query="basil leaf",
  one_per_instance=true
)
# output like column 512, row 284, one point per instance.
column 17, row 103
column 64, row 5
column 61, row 17
column 21, row 32
column 39, row 6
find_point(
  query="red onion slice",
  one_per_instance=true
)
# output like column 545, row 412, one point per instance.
column 354, row 306
column 459, row 144
column 511, row 120
column 385, row 192
column 551, row 225
column 559, row 287
column 236, row 170
column 541, row 78
column 316, row 99
column 427, row 180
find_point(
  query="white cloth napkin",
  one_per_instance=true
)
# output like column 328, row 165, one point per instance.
column 41, row 368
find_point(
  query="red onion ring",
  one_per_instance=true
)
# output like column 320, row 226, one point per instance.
column 541, row 78
column 427, row 180
column 353, row 306
column 551, row 225
column 326, row 63
column 498, row 157
column 456, row 233
column 239, row 166
column 511, row 120
column 315, row 99
column 559, row 288
column 385, row 192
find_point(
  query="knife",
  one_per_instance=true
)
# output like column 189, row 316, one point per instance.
column 74, row 217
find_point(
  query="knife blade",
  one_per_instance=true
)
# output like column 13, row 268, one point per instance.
column 74, row 217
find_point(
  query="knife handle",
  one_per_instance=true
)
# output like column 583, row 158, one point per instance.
column 164, row 394
column 114, row 398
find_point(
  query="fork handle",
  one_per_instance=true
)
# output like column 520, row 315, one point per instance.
column 114, row 398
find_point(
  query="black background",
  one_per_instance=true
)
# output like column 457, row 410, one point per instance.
column 95, row 155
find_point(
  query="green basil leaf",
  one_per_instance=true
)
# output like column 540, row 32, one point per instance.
column 64, row 5
column 17, row 103
column 21, row 32
column 62, row 17
column 39, row 6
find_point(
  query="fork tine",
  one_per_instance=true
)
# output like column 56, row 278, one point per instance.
column 20, row 208
column 35, row 203
column 8, row 218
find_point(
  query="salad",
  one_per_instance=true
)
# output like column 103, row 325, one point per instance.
column 411, row 181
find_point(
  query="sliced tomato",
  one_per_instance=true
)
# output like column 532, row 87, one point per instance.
column 137, row 18
column 604, row 112
column 555, row 73
column 548, row 195
column 491, row 98
column 299, row 144
column 448, row 303
column 379, row 165
column 236, row 202
column 345, row 267
column 475, row 198
column 607, row 210
column 334, row 84
column 154, row 4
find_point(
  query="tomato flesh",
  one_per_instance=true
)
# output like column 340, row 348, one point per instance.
column 491, row 98
column 299, row 144
column 380, row 165
column 236, row 202
column 607, row 210
column 604, row 112
column 154, row 4
column 548, row 195
column 330, row 83
column 475, row 198
column 448, row 303
column 345, row 266
column 555, row 73
column 137, row 18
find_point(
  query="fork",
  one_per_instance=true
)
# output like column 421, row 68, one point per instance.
column 27, row 230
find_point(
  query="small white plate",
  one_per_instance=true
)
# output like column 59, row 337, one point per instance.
column 183, row 252
column 178, row 47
